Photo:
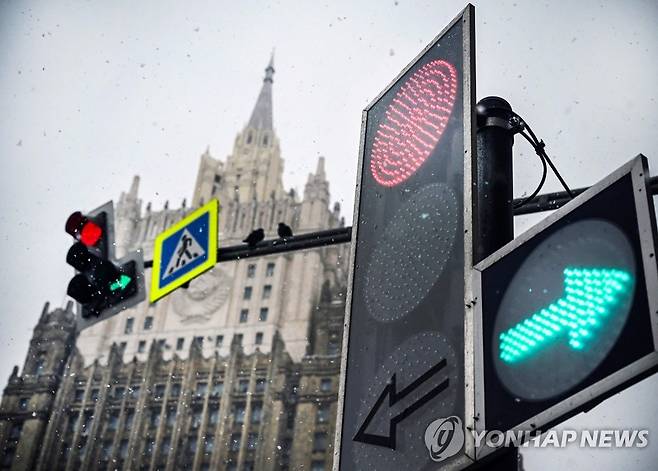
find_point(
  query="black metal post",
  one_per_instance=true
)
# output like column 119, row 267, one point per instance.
column 494, row 218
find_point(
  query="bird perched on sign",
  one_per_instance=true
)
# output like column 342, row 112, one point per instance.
column 284, row 230
column 255, row 237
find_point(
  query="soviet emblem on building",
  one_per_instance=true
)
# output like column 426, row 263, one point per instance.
column 205, row 296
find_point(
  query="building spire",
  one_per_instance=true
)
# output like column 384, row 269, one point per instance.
column 261, row 117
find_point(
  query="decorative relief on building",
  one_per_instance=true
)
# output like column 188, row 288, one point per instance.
column 205, row 296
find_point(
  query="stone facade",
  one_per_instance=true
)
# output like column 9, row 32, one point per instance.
column 237, row 372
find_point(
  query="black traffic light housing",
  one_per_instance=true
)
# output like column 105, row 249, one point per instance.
column 404, row 336
column 566, row 313
column 101, row 286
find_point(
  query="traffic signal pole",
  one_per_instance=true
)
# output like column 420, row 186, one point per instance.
column 494, row 218
column 494, row 214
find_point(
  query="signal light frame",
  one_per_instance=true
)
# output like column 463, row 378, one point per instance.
column 102, row 253
column 618, row 379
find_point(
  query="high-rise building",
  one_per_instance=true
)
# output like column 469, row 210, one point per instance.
column 237, row 372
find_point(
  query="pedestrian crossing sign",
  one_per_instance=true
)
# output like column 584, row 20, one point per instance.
column 185, row 250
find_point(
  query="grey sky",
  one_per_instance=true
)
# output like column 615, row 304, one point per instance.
column 92, row 93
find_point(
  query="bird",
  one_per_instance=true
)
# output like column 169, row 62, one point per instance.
column 284, row 230
column 255, row 237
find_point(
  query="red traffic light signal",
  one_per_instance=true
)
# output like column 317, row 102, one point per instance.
column 90, row 230
column 101, row 286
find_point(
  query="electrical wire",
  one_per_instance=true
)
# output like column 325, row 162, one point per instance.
column 520, row 126
column 543, row 176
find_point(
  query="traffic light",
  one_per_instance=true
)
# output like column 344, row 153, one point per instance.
column 566, row 312
column 101, row 286
column 412, row 229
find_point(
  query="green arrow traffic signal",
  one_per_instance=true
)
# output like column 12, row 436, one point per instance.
column 590, row 295
column 121, row 283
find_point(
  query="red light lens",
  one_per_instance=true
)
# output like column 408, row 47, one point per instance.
column 90, row 234
column 413, row 123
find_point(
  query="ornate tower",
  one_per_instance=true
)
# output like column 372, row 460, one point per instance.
column 27, row 401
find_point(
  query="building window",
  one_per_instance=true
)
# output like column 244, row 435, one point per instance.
column 251, row 270
column 323, row 414
column 134, row 391
column 217, row 389
column 259, row 338
column 269, row 270
column 247, row 292
column 218, row 178
column 180, row 343
column 238, row 339
column 22, row 403
column 243, row 386
column 119, row 392
column 333, row 348
column 171, row 417
column 256, row 412
column 106, row 450
column 165, row 448
column 15, row 431
column 87, row 419
column 252, row 441
column 191, row 445
column 154, row 418
column 113, row 420
column 198, row 341
column 148, row 323
column 159, row 391
column 213, row 416
column 141, row 346
column 130, row 322
column 79, row 395
column 122, row 346
column 130, row 417
column 325, row 384
column 260, row 385
column 317, row 466
column 40, row 364
column 209, row 444
column 201, row 389
column 123, row 449
column 265, row 140
column 244, row 316
column 267, row 291
column 196, row 418
column 219, row 340
column 262, row 315
column 162, row 343
column 319, row 442
column 249, row 137
column 238, row 413
column 94, row 394
column 235, row 442
column 175, row 390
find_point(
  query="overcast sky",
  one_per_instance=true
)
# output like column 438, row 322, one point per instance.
column 92, row 93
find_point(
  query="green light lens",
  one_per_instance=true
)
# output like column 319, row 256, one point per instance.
column 590, row 295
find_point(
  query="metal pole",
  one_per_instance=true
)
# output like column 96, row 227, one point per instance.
column 494, row 219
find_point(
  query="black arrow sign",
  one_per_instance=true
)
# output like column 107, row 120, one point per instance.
column 393, row 398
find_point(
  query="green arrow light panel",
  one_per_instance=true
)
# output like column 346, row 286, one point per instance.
column 590, row 296
column 121, row 283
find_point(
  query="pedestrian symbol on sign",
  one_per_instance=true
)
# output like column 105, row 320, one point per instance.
column 187, row 250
